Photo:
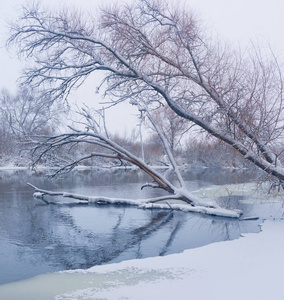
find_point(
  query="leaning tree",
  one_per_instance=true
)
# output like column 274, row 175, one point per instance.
column 152, row 51
column 176, row 197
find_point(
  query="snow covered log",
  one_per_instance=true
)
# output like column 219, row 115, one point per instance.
column 163, row 202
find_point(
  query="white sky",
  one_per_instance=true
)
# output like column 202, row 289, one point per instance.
column 238, row 21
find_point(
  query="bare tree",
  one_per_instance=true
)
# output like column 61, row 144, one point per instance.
column 28, row 114
column 6, row 140
column 172, row 125
column 104, row 147
column 149, row 50
column 22, row 115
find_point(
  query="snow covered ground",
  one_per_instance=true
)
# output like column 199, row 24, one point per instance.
column 251, row 267
column 251, row 192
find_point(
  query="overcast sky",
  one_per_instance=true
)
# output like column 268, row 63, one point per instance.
column 238, row 21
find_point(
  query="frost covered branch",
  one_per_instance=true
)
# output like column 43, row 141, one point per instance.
column 112, row 151
column 148, row 51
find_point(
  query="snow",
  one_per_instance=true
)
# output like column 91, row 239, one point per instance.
column 248, row 268
column 142, row 203
column 12, row 167
column 202, row 205
column 221, row 212
column 251, row 192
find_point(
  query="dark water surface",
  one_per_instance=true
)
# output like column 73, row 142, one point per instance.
column 37, row 238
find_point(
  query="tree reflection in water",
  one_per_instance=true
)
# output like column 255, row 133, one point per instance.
column 37, row 238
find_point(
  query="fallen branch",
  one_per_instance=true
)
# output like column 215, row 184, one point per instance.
column 141, row 203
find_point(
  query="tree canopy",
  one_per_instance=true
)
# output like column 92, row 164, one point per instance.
column 156, row 53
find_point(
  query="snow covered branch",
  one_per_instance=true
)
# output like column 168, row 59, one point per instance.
column 158, row 202
column 112, row 151
column 151, row 53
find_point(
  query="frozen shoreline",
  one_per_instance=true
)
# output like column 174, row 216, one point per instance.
column 247, row 268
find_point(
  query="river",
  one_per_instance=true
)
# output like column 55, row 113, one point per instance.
column 37, row 238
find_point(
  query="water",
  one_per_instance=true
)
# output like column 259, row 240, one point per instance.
column 37, row 238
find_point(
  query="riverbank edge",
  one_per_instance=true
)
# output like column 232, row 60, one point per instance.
column 246, row 268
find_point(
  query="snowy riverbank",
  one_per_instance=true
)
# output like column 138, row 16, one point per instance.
column 248, row 268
